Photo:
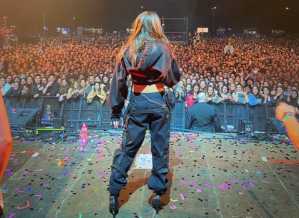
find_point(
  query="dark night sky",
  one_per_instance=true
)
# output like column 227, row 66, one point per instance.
column 27, row 15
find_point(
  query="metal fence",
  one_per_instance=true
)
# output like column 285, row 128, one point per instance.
column 48, row 112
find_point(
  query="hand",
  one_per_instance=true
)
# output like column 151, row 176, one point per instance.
column 115, row 124
column 1, row 201
column 282, row 109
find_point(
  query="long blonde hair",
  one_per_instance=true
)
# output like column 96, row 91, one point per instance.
column 146, row 27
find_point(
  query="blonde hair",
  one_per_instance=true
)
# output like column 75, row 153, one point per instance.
column 146, row 27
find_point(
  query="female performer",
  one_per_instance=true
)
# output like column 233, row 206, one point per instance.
column 148, row 59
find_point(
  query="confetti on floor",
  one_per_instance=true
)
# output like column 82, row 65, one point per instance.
column 210, row 176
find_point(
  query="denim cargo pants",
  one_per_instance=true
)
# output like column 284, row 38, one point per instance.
column 145, row 111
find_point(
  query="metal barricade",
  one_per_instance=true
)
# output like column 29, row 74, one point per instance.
column 236, row 117
column 258, row 117
column 71, row 114
column 221, row 115
column 105, row 117
column 91, row 114
column 178, row 117
column 22, row 112
column 52, row 113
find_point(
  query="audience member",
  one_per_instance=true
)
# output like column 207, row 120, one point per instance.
column 250, row 70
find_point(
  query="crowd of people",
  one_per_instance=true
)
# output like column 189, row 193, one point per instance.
column 239, row 70
column 253, row 71
column 64, row 69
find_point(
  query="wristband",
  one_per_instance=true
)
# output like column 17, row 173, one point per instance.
column 287, row 116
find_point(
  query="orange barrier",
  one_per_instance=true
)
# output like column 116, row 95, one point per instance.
column 292, row 127
column 286, row 113
column 5, row 139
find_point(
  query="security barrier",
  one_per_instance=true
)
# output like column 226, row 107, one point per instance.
column 22, row 112
column 50, row 113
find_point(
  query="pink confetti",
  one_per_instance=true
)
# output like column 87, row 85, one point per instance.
column 67, row 158
column 208, row 185
column 224, row 186
column 182, row 196
column 9, row 172
column 11, row 215
column 199, row 190
column 248, row 185
column 172, row 206
column 193, row 183
column 18, row 190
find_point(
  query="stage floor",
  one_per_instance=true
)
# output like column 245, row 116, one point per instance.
column 211, row 176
